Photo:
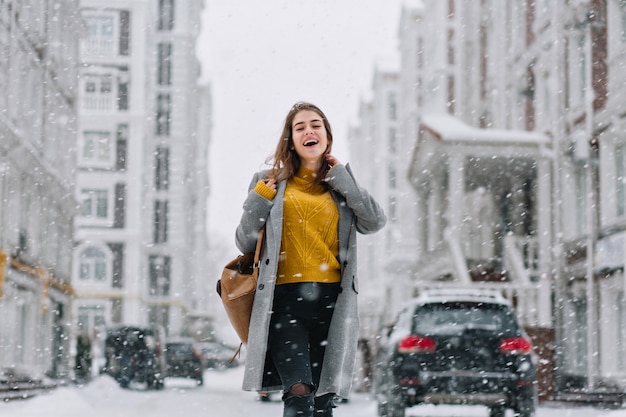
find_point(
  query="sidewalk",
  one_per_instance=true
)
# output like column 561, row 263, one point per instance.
column 17, row 386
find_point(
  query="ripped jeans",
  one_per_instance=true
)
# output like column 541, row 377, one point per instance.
column 297, row 341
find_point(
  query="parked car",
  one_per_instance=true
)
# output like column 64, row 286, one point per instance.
column 184, row 359
column 135, row 354
column 456, row 347
column 218, row 355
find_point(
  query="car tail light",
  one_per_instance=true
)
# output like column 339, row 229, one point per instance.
column 416, row 344
column 516, row 346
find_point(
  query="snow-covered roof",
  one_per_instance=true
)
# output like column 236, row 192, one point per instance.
column 446, row 295
column 446, row 127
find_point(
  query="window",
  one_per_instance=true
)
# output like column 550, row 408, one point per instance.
column 392, row 208
column 392, row 176
column 95, row 203
column 124, row 32
column 579, row 336
column 161, row 168
column 581, row 200
column 92, row 265
column 159, row 315
column 159, row 284
column 117, row 310
column 119, row 207
column 122, row 146
column 160, row 221
column 96, row 146
column 101, row 30
column 117, row 250
column 529, row 96
column 122, row 91
column 164, row 64
column 98, row 92
column 163, row 115
column 166, row 15
column 393, row 142
column 619, row 178
column 547, row 105
column 90, row 318
column 393, row 108
column 583, row 63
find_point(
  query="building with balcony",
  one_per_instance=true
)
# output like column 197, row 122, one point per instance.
column 144, row 125
column 513, row 115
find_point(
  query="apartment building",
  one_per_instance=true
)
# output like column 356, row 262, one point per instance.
column 513, row 118
column 143, row 137
column 38, row 73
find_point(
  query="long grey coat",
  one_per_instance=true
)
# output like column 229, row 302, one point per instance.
column 358, row 211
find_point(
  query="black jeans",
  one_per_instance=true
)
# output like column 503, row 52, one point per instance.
column 297, row 339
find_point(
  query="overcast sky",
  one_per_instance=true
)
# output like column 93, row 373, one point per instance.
column 263, row 56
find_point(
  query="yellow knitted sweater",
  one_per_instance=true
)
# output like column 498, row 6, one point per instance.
column 310, row 245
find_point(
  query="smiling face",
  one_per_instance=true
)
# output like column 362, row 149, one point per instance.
column 305, row 123
column 310, row 139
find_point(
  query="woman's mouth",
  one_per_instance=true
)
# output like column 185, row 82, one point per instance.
column 311, row 142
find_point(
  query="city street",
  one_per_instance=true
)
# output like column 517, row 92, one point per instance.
column 219, row 397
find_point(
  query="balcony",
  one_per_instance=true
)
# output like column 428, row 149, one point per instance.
column 483, row 199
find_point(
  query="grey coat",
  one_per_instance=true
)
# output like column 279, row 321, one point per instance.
column 358, row 212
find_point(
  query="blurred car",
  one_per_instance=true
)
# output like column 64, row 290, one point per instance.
column 184, row 359
column 135, row 354
column 456, row 347
column 218, row 355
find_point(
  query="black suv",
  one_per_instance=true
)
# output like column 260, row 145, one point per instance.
column 184, row 359
column 456, row 347
column 135, row 354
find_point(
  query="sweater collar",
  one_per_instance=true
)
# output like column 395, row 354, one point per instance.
column 306, row 174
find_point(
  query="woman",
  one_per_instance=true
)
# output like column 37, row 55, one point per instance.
column 304, row 326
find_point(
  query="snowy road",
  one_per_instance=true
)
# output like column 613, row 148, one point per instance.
column 219, row 397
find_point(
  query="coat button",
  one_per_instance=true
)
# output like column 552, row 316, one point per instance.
column 267, row 262
column 261, row 286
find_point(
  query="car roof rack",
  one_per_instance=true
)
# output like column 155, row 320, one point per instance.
column 485, row 295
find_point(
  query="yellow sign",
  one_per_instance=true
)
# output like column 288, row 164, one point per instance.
column 3, row 267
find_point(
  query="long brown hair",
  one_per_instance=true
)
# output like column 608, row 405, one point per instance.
column 286, row 162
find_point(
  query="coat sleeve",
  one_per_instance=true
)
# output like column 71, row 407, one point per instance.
column 369, row 215
column 255, row 211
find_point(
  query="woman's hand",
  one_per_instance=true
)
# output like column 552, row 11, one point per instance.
column 331, row 160
column 271, row 182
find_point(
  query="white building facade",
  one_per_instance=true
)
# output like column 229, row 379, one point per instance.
column 513, row 117
column 140, row 236
column 38, row 73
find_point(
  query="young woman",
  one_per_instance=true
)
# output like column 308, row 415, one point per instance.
column 304, row 327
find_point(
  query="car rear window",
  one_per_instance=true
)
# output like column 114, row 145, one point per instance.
column 179, row 348
column 456, row 318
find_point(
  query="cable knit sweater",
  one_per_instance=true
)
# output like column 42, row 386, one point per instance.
column 309, row 245
column 358, row 213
